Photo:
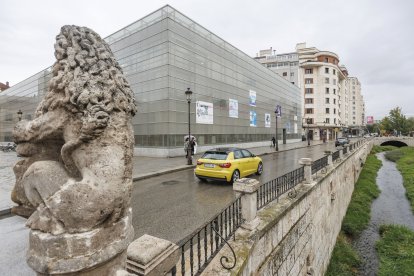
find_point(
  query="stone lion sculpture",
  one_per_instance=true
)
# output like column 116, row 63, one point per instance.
column 78, row 168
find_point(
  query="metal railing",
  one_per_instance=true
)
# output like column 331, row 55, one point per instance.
column 319, row 164
column 345, row 150
column 351, row 146
column 335, row 156
column 201, row 246
column 273, row 189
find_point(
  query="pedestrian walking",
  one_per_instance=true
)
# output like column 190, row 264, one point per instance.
column 273, row 141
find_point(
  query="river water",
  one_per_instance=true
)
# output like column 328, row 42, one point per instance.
column 391, row 207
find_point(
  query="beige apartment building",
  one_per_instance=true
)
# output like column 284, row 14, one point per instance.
column 332, row 102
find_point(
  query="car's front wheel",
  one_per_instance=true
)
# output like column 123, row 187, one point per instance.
column 235, row 176
column 259, row 168
column 202, row 179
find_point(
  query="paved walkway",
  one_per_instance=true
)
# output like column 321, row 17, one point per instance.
column 144, row 167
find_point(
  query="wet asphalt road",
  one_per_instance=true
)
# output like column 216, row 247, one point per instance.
column 172, row 206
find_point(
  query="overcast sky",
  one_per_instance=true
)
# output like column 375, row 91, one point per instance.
column 373, row 38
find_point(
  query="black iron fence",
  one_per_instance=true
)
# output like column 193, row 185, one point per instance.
column 335, row 156
column 319, row 164
column 271, row 190
column 200, row 247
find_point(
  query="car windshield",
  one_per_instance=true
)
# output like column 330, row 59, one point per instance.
column 215, row 155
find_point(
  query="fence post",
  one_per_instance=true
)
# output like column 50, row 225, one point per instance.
column 152, row 256
column 247, row 188
column 307, row 163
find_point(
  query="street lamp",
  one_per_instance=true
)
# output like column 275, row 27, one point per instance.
column 308, row 121
column 188, row 94
column 19, row 115
column 278, row 113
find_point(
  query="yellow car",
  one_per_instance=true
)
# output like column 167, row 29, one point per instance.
column 228, row 164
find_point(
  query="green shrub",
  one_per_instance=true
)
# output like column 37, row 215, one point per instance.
column 405, row 165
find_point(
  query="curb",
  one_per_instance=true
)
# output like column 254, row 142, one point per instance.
column 187, row 167
column 5, row 213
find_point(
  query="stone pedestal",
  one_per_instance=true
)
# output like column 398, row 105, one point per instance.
column 247, row 187
column 307, row 163
column 101, row 251
column 152, row 256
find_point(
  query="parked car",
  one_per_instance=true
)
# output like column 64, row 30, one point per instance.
column 341, row 141
column 227, row 164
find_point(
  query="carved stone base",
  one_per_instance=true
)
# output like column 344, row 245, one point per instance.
column 22, row 211
column 80, row 253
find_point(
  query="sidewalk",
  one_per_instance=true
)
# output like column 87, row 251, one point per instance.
column 144, row 167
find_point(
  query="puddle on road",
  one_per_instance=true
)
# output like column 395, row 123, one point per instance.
column 391, row 207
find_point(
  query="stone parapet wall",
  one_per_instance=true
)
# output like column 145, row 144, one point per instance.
column 296, row 236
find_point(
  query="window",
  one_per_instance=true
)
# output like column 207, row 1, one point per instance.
column 326, row 70
column 309, row 100
column 292, row 74
column 285, row 74
column 308, row 81
column 334, row 91
column 326, row 59
column 309, row 110
column 308, row 90
column 334, row 110
column 334, row 81
column 326, row 80
column 327, row 120
column 327, row 90
column 353, row 112
column 334, row 120
column 353, row 102
column 334, row 71
column 308, row 71
column 334, row 101
column 327, row 100
column 327, row 110
column 309, row 121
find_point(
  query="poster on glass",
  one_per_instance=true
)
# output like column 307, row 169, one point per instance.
column 204, row 113
column 253, row 121
column 267, row 119
column 252, row 98
column 233, row 108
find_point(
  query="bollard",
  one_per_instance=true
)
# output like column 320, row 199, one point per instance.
column 330, row 162
column 307, row 163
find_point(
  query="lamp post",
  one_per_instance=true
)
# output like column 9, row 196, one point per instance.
column 308, row 121
column 19, row 115
column 188, row 94
column 278, row 113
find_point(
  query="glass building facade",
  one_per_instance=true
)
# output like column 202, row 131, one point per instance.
column 163, row 54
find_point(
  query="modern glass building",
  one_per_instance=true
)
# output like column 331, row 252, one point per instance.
column 163, row 54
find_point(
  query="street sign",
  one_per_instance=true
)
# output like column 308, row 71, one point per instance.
column 278, row 111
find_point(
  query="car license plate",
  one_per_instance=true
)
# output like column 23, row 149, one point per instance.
column 208, row 165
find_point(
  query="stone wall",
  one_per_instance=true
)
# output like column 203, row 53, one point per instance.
column 296, row 236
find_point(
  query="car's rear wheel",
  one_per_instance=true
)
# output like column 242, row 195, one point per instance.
column 235, row 176
column 259, row 168
column 202, row 179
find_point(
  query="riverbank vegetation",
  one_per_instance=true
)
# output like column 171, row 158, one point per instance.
column 395, row 250
column 404, row 157
column 344, row 259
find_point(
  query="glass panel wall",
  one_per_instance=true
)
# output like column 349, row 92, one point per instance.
column 162, row 55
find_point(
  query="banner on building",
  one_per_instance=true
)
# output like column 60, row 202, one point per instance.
column 252, row 98
column 370, row 120
column 233, row 108
column 278, row 111
column 253, row 119
column 204, row 113
column 267, row 120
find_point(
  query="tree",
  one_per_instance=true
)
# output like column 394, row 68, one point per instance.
column 396, row 122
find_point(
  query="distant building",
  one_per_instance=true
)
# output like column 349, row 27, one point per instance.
column 4, row 86
column 332, row 101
